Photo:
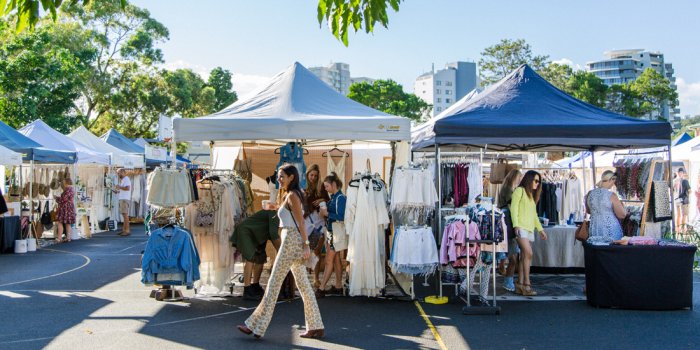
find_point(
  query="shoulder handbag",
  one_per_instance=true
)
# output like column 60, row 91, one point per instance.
column 498, row 171
column 315, row 235
column 46, row 217
column 582, row 231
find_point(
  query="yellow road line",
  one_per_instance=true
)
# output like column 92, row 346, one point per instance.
column 438, row 339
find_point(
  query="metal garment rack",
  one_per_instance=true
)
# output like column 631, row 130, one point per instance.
column 492, row 309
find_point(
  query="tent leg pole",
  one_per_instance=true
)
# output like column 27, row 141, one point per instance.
column 173, row 151
column 31, row 191
column 583, row 169
column 593, row 166
column 438, row 213
column 670, row 185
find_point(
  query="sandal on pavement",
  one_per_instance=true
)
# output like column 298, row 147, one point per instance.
column 247, row 331
column 518, row 288
column 528, row 291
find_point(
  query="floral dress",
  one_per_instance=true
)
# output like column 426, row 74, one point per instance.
column 66, row 207
column 605, row 227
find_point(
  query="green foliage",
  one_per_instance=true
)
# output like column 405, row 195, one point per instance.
column 587, row 87
column 499, row 60
column 125, row 38
column 389, row 97
column 652, row 91
column 344, row 15
column 686, row 123
column 220, row 82
column 41, row 75
column 27, row 13
column 557, row 74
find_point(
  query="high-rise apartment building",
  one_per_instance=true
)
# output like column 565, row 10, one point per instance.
column 624, row 66
column 443, row 87
column 337, row 75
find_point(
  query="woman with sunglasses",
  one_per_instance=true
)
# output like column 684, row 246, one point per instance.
column 606, row 211
column 523, row 214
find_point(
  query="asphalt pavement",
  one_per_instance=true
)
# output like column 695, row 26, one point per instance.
column 87, row 294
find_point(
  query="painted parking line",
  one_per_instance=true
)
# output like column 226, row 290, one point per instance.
column 87, row 262
column 436, row 335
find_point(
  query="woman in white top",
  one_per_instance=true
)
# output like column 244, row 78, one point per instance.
column 292, row 253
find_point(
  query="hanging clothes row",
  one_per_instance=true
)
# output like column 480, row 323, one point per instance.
column 222, row 204
column 366, row 218
column 413, row 196
column 632, row 176
column 169, row 188
column 462, row 182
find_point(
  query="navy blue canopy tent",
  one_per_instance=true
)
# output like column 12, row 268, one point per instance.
column 524, row 112
column 31, row 150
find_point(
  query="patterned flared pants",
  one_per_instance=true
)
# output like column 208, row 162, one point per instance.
column 289, row 257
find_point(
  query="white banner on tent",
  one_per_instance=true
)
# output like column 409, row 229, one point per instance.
column 165, row 128
column 156, row 153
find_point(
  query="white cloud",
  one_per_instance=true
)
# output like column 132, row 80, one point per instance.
column 180, row 64
column 567, row 62
column 245, row 84
column 688, row 97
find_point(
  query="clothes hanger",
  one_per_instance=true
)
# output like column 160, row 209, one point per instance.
column 335, row 149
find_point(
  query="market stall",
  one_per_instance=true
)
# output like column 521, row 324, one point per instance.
column 297, row 118
column 9, row 211
column 523, row 112
column 22, row 191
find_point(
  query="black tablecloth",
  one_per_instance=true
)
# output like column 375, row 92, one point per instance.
column 9, row 232
column 639, row 277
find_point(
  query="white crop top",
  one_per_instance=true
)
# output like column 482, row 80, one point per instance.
column 285, row 216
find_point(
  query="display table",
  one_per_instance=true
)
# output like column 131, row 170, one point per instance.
column 639, row 277
column 560, row 250
column 9, row 232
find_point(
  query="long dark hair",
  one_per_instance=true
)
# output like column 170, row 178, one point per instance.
column 526, row 184
column 295, row 184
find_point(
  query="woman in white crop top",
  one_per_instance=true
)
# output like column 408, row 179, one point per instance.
column 292, row 253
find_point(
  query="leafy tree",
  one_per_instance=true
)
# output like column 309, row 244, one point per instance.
column 653, row 92
column 220, row 81
column 499, row 60
column 341, row 15
column 587, row 87
column 557, row 74
column 686, row 123
column 41, row 75
column 389, row 97
column 125, row 38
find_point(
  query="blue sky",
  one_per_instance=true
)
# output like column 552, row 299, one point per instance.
column 255, row 39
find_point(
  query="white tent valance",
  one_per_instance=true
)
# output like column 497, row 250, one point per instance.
column 295, row 105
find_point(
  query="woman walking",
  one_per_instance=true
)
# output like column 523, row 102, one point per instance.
column 510, row 183
column 66, row 211
column 523, row 213
column 292, row 253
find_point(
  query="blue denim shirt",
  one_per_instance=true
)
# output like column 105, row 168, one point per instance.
column 170, row 252
column 336, row 209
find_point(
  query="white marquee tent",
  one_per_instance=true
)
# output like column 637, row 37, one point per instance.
column 118, row 157
column 42, row 133
column 294, row 105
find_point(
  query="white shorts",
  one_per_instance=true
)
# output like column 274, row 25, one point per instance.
column 527, row 234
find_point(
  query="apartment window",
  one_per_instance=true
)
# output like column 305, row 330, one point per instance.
column 448, row 92
column 438, row 82
column 439, row 100
column 439, row 109
column 423, row 91
column 447, row 100
column 437, row 91
column 449, row 83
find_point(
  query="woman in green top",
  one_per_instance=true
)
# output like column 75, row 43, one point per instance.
column 523, row 213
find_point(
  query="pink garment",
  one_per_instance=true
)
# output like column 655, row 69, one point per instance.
column 642, row 240
column 452, row 239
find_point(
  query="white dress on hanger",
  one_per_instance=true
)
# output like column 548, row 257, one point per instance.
column 338, row 168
